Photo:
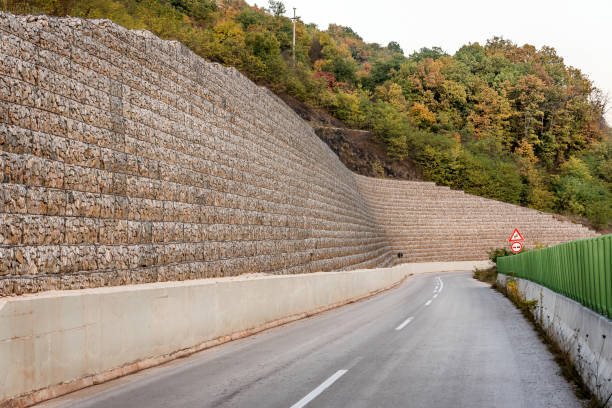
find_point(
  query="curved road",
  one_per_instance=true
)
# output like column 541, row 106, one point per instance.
column 438, row 340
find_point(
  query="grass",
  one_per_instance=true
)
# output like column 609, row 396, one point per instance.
column 488, row 275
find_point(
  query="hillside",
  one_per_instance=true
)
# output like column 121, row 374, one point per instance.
column 502, row 121
column 358, row 149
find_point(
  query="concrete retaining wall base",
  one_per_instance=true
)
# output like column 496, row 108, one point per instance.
column 56, row 342
column 65, row 388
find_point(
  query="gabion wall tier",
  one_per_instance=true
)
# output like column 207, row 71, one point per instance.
column 426, row 222
column 129, row 159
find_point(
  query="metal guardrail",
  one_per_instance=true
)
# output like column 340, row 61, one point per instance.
column 580, row 270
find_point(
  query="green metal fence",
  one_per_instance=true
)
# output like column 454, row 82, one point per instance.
column 581, row 270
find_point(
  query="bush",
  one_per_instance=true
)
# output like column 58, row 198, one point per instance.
column 578, row 192
column 488, row 275
column 499, row 252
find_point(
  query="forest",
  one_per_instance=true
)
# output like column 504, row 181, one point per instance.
column 500, row 120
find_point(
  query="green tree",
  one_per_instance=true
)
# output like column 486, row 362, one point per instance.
column 394, row 46
column 277, row 7
column 424, row 53
column 579, row 193
column 502, row 121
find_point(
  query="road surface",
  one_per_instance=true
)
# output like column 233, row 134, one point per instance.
column 438, row 340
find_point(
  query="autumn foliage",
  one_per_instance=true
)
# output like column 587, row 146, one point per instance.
column 509, row 122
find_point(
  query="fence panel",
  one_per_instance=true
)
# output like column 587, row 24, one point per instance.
column 581, row 270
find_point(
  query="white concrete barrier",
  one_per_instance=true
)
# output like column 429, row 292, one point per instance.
column 55, row 342
column 579, row 331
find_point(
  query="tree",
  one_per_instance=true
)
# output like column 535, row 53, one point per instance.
column 502, row 121
column 528, row 96
column 578, row 192
column 421, row 116
column 382, row 70
column 277, row 7
column 490, row 114
column 393, row 46
column 423, row 53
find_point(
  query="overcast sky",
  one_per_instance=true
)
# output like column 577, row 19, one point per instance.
column 580, row 30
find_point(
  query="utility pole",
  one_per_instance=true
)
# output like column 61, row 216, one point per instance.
column 294, row 19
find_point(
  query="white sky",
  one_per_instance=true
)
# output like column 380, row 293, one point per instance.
column 580, row 30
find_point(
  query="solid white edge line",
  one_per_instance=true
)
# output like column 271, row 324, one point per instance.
column 428, row 302
column 404, row 323
column 314, row 393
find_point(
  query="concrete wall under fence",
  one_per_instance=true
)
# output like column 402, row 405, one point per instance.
column 59, row 341
column 584, row 334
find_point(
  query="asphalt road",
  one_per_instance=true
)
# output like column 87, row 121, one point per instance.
column 439, row 340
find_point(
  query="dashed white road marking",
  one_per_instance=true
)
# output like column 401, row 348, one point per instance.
column 438, row 285
column 315, row 393
column 404, row 323
column 437, row 290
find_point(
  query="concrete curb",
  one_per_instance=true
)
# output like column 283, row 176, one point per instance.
column 579, row 331
column 57, row 390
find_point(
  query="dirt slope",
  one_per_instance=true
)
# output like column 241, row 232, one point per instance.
column 355, row 148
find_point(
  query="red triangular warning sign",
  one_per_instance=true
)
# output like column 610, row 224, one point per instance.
column 516, row 236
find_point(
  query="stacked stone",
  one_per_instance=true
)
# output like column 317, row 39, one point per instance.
column 432, row 223
column 128, row 159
